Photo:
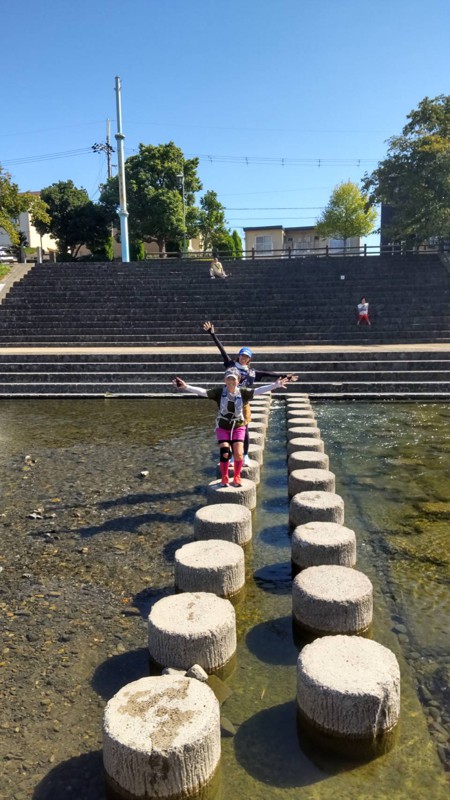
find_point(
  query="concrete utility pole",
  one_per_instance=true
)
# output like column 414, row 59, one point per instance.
column 123, row 213
column 181, row 177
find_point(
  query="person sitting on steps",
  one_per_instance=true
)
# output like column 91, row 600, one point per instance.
column 216, row 270
column 363, row 312
column 230, row 424
column 247, row 375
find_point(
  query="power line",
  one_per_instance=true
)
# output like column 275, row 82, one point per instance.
column 47, row 157
column 277, row 208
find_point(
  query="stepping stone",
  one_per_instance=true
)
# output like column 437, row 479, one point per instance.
column 210, row 566
column 309, row 480
column 256, row 437
column 227, row 521
column 306, row 413
column 332, row 599
column 299, row 442
column 256, row 453
column 305, row 459
column 305, row 432
column 301, row 422
column 161, row 738
column 244, row 495
column 251, row 471
column 316, row 507
column 319, row 543
column 348, row 695
column 256, row 427
column 192, row 628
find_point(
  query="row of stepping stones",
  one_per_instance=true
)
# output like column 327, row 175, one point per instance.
column 348, row 686
column 161, row 734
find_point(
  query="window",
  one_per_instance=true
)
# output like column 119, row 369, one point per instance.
column 263, row 245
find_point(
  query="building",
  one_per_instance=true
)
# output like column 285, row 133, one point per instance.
column 277, row 240
column 33, row 238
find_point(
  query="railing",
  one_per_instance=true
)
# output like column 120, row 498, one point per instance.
column 317, row 252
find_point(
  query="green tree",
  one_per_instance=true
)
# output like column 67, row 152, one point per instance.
column 13, row 203
column 211, row 219
column 347, row 214
column 414, row 178
column 237, row 244
column 223, row 246
column 74, row 220
column 155, row 194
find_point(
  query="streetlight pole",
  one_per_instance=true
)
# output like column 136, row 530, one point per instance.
column 123, row 213
column 181, row 177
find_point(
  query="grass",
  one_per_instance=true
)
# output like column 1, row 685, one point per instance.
column 4, row 269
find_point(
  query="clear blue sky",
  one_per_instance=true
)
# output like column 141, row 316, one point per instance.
column 316, row 81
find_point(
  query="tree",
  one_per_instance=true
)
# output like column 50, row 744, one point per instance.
column 237, row 244
column 156, row 179
column 74, row 220
column 223, row 246
column 414, row 178
column 347, row 214
column 211, row 219
column 13, row 203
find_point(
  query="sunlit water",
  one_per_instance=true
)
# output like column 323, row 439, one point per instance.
column 85, row 575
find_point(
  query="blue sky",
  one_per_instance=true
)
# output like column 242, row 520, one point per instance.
column 322, row 83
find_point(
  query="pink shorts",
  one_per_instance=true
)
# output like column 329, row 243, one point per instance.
column 237, row 435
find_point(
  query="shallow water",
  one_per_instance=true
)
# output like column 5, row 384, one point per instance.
column 79, row 579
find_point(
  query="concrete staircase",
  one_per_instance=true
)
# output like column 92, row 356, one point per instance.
column 275, row 305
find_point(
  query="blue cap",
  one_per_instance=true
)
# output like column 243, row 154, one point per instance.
column 245, row 351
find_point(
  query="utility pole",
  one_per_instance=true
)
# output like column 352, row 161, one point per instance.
column 109, row 149
column 181, row 177
column 123, row 213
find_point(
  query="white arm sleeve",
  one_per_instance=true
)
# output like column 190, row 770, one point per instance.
column 196, row 390
column 264, row 389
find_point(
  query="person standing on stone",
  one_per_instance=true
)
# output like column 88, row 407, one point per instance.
column 247, row 375
column 363, row 312
column 216, row 269
column 230, row 422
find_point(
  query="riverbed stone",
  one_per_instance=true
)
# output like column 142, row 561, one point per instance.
column 305, row 459
column 319, row 543
column 311, row 479
column 192, row 628
column 213, row 566
column 227, row 521
column 332, row 599
column 244, row 495
column 316, row 507
column 161, row 738
column 348, row 688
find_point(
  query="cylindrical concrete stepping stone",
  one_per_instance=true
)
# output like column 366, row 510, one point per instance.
column 318, row 543
column 310, row 432
column 192, row 628
column 316, row 507
column 262, row 399
column 305, row 459
column 348, row 694
column 161, row 738
column 332, row 599
column 244, row 495
column 250, row 471
column 306, row 413
column 263, row 419
column 256, row 427
column 256, row 453
column 301, row 422
column 310, row 480
column 256, row 437
column 305, row 443
column 297, row 403
column 227, row 521
column 293, row 396
column 315, row 445
column 210, row 566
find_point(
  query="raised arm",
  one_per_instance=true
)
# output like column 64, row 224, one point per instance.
column 264, row 373
column 181, row 386
column 279, row 384
column 208, row 327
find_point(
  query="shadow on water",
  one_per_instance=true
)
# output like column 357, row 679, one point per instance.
column 145, row 497
column 267, row 747
column 146, row 599
column 135, row 524
column 119, row 670
column 80, row 778
column 272, row 643
column 275, row 536
column 275, row 578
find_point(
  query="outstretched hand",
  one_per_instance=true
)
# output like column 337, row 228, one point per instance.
column 208, row 327
column 178, row 383
column 292, row 378
column 281, row 382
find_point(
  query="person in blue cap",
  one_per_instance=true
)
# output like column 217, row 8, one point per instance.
column 247, row 375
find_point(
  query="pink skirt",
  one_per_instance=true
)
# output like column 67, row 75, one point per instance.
column 237, row 435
